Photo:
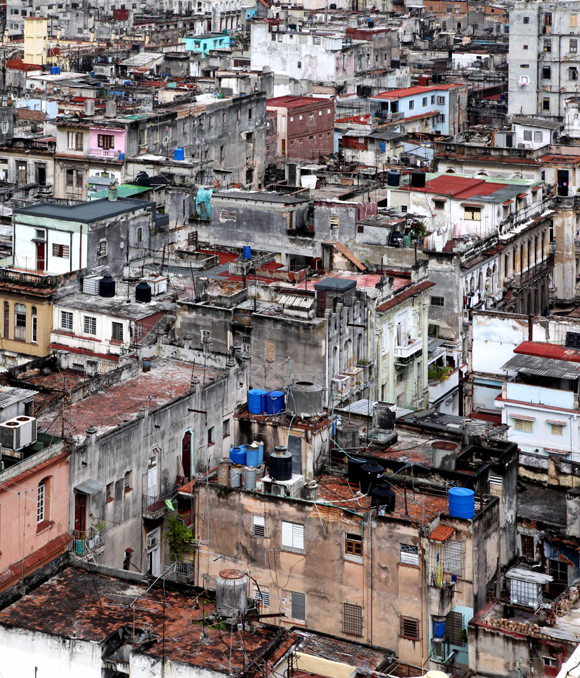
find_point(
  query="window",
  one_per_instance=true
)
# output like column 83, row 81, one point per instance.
column 41, row 502
column 226, row 428
column 61, row 251
column 404, row 208
column 34, row 316
column 442, row 117
column 549, row 661
column 70, row 178
column 353, row 545
column 441, row 101
column 539, row 136
column 333, row 223
column 292, row 536
column 473, row 213
column 528, row 550
column 437, row 301
column 573, row 73
column 449, row 8
column 298, row 605
column 102, row 249
column 573, row 21
column 299, row 64
column 526, row 19
column 411, row 105
column 20, row 322
column 454, row 628
column 524, row 425
column 106, row 141
column 117, row 331
column 138, row 330
column 352, row 619
column 262, row 595
column 559, row 570
column 432, row 98
column 139, row 234
column 545, row 104
column 259, row 527
column 409, row 628
column 424, row 101
column 109, row 491
column 547, row 45
column 75, row 141
column 453, row 557
column 66, row 320
column 127, row 485
column 526, row 47
column 557, row 429
column 89, row 324
column 249, row 113
column 573, row 45
column 211, row 436
column 409, row 555
column 527, row 135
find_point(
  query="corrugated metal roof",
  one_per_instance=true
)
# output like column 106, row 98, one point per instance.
column 11, row 396
column 529, row 576
column 543, row 367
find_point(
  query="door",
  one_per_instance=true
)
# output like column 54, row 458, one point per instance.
column 152, row 474
column 40, row 256
column 283, row 146
column 295, row 448
column 80, row 512
column 154, row 552
column 186, row 454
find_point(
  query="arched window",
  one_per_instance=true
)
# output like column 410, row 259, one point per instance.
column 20, row 322
column 7, row 320
column 34, row 317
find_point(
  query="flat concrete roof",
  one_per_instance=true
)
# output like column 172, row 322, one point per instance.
column 85, row 212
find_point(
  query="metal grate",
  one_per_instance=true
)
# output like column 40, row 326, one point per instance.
column 453, row 557
column 352, row 619
column 454, row 628
column 410, row 628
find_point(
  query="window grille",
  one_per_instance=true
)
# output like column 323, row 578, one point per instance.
column 409, row 554
column 352, row 619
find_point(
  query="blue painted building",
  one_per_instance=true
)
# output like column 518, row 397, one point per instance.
column 203, row 44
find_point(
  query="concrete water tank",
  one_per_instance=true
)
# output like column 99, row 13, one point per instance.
column 231, row 588
column 443, row 454
column 347, row 437
column 305, row 399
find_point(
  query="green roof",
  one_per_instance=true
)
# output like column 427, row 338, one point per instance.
column 123, row 191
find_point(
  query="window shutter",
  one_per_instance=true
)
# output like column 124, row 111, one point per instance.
column 287, row 534
column 409, row 554
column 297, row 536
column 259, row 526
column 298, row 605
column 454, row 627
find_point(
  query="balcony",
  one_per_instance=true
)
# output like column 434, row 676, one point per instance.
column 531, row 274
column 408, row 351
column 155, row 506
column 89, row 542
column 105, row 153
column 29, row 279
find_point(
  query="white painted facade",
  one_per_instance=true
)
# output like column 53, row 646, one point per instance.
column 28, row 234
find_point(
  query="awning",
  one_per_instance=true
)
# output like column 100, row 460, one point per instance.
column 508, row 202
column 522, row 195
column 556, row 422
column 89, row 486
column 522, row 416
column 469, row 204
column 536, row 188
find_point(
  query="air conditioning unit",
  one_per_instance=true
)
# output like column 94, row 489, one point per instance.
column 152, row 541
column 91, row 284
column 284, row 488
column 18, row 433
column 341, row 383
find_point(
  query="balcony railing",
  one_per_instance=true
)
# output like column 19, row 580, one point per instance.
column 409, row 350
column 29, row 278
column 155, row 506
column 89, row 541
column 104, row 153
column 534, row 272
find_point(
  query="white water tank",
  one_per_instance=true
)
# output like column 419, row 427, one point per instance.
column 231, row 588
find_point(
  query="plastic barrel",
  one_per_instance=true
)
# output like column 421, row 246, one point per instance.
column 249, row 478
column 252, row 455
column 393, row 178
column 260, row 452
column 236, row 475
column 406, row 241
column 256, row 398
column 354, row 466
column 275, row 402
column 461, row 503
column 179, row 154
column 438, row 629
column 238, row 455
column 247, row 252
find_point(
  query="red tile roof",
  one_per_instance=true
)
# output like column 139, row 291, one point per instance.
column 289, row 101
column 545, row 350
column 406, row 294
column 441, row 533
column 458, row 187
column 410, row 91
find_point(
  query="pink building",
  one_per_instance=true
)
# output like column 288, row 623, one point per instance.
column 107, row 142
column 33, row 514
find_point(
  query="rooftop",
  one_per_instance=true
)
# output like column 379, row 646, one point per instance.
column 411, row 91
column 539, row 503
column 105, row 410
column 538, row 122
column 290, row 101
column 85, row 212
column 260, row 196
column 118, row 306
column 545, row 350
column 91, row 607
column 543, row 367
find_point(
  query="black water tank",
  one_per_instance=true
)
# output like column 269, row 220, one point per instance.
column 395, row 63
column 107, row 286
column 143, row 292
column 354, row 466
column 418, row 179
column 370, row 474
column 393, row 178
column 385, row 417
column 280, row 464
column 383, row 495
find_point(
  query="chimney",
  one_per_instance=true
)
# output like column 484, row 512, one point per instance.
column 110, row 109
column 91, row 436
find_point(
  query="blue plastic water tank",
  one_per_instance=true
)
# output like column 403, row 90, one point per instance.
column 438, row 629
column 252, row 455
column 383, row 146
column 461, row 502
column 238, row 456
column 274, row 402
column 179, row 154
column 256, row 401
column 260, row 452
column 121, row 155
column 92, row 74
column 247, row 252
column 53, row 70
column 58, row 70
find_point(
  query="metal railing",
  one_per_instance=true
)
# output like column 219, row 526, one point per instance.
column 154, row 506
column 104, row 153
column 534, row 272
column 88, row 541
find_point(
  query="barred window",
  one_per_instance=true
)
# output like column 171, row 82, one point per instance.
column 409, row 628
column 90, row 324
column 453, row 557
column 61, row 251
column 409, row 554
column 66, row 320
column 352, row 619
column 528, row 549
